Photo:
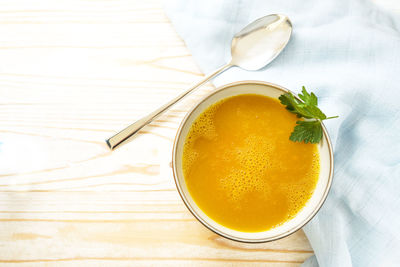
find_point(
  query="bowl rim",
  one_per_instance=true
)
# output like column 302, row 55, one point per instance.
column 178, row 136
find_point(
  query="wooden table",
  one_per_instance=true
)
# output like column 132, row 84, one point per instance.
column 71, row 74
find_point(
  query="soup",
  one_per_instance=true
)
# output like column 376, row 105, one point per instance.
column 240, row 167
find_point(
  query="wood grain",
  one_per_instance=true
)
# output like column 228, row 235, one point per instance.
column 71, row 74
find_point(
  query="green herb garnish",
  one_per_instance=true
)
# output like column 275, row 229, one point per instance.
column 309, row 130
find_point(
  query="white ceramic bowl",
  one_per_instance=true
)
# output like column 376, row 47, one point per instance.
column 287, row 228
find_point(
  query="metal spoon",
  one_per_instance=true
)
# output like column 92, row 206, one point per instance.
column 252, row 48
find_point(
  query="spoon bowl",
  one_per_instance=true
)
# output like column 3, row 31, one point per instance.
column 252, row 48
column 260, row 42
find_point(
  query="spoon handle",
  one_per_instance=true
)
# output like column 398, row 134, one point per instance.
column 124, row 135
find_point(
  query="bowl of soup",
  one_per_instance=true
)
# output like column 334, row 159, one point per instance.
column 237, row 171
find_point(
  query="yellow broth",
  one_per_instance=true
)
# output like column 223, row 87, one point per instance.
column 241, row 168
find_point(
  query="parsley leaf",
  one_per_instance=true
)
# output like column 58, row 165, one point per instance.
column 309, row 99
column 307, row 131
column 310, row 130
column 294, row 106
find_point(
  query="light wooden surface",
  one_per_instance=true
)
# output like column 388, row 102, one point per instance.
column 71, row 74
